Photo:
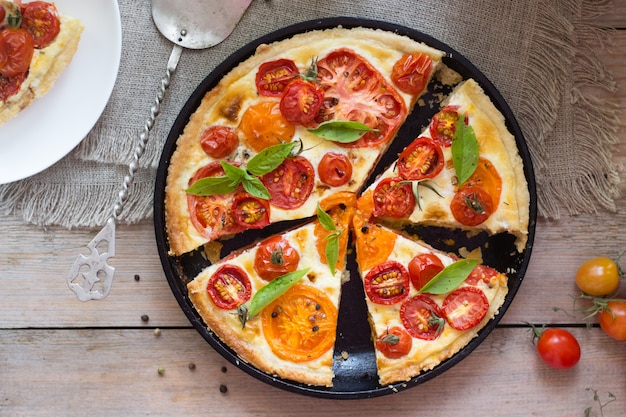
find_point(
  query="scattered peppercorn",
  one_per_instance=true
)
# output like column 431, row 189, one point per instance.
column 157, row 332
column 223, row 389
column 224, row 369
column 191, row 366
column 137, row 277
column 161, row 370
column 144, row 317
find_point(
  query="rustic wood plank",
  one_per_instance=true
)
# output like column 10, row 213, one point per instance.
column 114, row 373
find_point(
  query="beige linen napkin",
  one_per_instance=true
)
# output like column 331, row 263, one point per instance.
column 540, row 54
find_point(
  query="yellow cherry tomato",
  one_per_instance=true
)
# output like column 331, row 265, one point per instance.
column 598, row 277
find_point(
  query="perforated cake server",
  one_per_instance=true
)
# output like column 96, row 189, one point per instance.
column 195, row 24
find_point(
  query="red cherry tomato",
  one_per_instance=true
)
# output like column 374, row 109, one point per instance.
column 251, row 212
column 423, row 268
column 219, row 141
column 422, row 159
column 212, row 215
column 465, row 307
column 558, row 348
column 301, row 101
column 272, row 77
column 394, row 343
column 471, row 205
column 229, row 287
column 443, row 125
column 411, row 72
column 335, row 169
column 481, row 273
column 291, row 184
column 10, row 85
column 356, row 91
column 393, row 198
column 41, row 20
column 275, row 257
column 613, row 319
column 422, row 317
column 16, row 51
column 387, row 283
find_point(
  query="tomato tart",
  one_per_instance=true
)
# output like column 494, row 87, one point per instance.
column 287, row 145
column 37, row 43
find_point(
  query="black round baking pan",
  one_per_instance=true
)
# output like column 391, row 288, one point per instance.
column 355, row 375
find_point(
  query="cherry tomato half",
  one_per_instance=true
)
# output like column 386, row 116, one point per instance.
column 471, row 205
column 263, row 125
column 394, row 343
column 291, row 183
column 422, row 317
column 301, row 324
column 465, row 307
column 558, row 348
column 387, row 283
column 373, row 243
column 613, row 320
column 422, row 268
column 41, row 20
column 16, row 51
column 272, row 77
column 423, row 158
column 443, row 125
column 393, row 198
column 251, row 212
column 301, row 101
column 598, row 277
column 275, row 257
column 219, row 141
column 411, row 72
column 10, row 85
column 229, row 287
column 335, row 169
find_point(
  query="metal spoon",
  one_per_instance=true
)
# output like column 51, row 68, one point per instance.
column 196, row 24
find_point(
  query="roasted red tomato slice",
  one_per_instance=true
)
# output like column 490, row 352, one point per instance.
column 481, row 273
column 423, row 158
column 291, row 184
column 16, row 51
column 465, row 307
column 219, row 141
column 387, row 283
column 443, row 125
column 335, row 169
column 423, row 268
column 393, row 198
column 394, row 343
column 10, row 85
column 355, row 91
column 301, row 101
column 471, row 205
column 422, row 317
column 229, row 287
column 41, row 20
column 411, row 72
column 272, row 77
column 212, row 215
column 275, row 257
column 251, row 212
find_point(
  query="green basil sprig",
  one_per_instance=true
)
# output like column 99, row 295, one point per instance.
column 464, row 150
column 265, row 161
column 274, row 289
column 450, row 277
column 341, row 131
column 332, row 240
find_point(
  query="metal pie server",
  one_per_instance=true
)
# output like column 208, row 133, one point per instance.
column 195, row 24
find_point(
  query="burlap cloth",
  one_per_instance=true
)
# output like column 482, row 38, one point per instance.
column 540, row 54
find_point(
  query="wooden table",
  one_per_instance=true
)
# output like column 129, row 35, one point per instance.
column 62, row 357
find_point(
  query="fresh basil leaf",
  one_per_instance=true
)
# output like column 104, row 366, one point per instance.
column 233, row 172
column 325, row 220
column 464, row 150
column 332, row 250
column 270, row 158
column 273, row 290
column 450, row 277
column 255, row 187
column 212, row 186
column 341, row 131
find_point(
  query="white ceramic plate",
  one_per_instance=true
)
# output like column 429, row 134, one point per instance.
column 54, row 124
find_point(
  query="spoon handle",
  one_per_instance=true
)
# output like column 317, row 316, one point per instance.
column 87, row 271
